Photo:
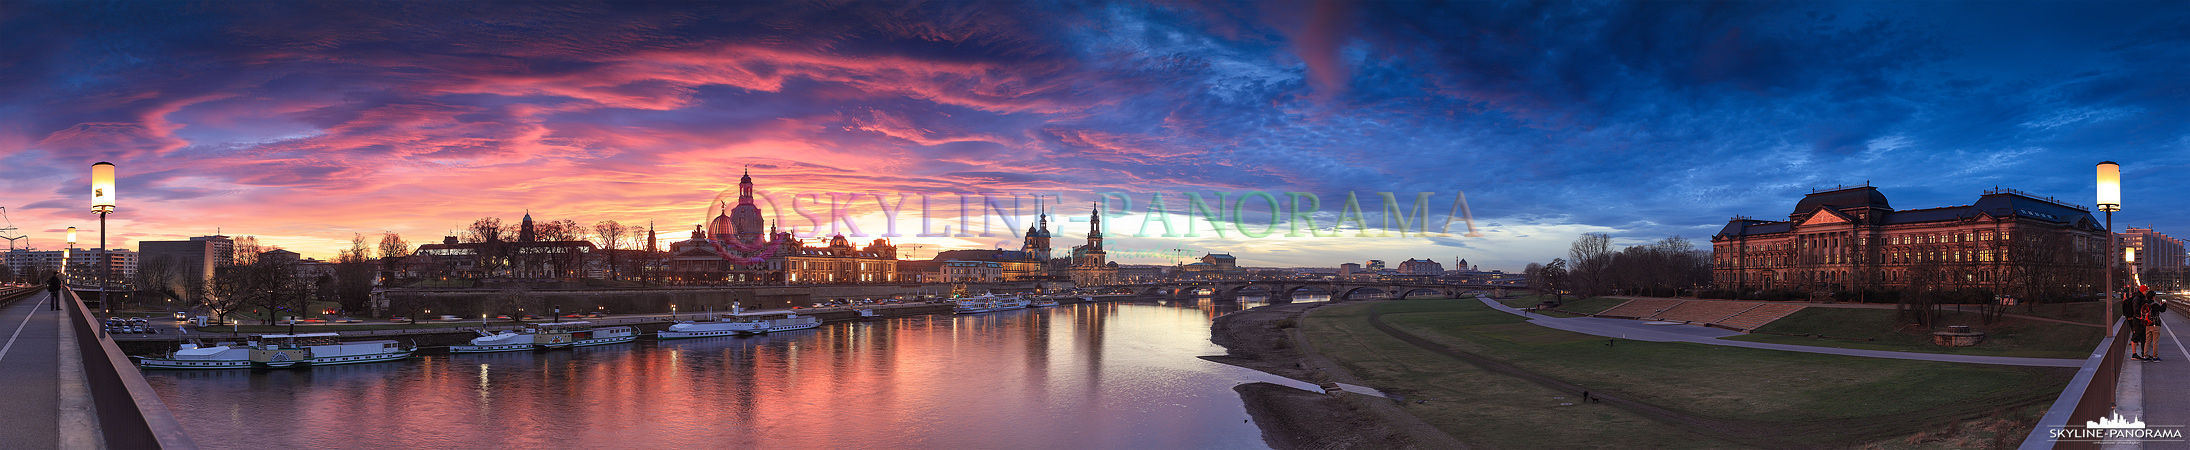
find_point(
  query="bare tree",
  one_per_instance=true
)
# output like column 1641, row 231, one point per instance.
column 246, row 250
column 393, row 251
column 493, row 244
column 1590, row 262
column 611, row 236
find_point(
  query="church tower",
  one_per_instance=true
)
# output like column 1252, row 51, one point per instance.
column 746, row 217
column 524, row 231
column 1037, row 245
column 1095, row 255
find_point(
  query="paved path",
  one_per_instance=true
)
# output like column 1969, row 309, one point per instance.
column 29, row 377
column 1853, row 306
column 1637, row 330
column 2155, row 391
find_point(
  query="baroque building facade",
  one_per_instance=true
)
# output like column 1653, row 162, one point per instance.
column 732, row 248
column 1848, row 239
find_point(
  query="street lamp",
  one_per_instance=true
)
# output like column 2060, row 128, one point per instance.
column 2110, row 200
column 2129, row 257
column 102, row 202
column 66, row 252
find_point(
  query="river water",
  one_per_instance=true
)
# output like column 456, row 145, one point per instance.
column 1099, row 375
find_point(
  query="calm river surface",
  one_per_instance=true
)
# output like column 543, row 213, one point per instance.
column 1101, row 375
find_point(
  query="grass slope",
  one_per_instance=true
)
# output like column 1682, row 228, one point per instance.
column 2024, row 338
column 1874, row 397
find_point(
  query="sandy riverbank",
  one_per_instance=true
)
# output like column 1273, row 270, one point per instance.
column 1266, row 339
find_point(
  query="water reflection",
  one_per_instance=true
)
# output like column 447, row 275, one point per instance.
column 1106, row 375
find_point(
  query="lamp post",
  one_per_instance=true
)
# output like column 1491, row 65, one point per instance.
column 68, row 253
column 2110, row 200
column 102, row 202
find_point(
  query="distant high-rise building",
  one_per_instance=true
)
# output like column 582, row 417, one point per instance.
column 197, row 257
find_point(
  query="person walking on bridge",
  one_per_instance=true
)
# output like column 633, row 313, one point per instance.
column 2133, row 324
column 53, row 287
column 2153, row 309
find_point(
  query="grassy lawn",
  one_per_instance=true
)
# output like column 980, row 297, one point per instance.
column 2086, row 312
column 1863, row 398
column 1478, row 406
column 2010, row 337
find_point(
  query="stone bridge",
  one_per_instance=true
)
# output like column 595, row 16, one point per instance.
column 1282, row 291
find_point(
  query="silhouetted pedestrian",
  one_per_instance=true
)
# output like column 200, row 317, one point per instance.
column 53, row 288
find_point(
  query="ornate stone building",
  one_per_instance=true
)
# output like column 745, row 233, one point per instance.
column 1846, row 239
column 732, row 248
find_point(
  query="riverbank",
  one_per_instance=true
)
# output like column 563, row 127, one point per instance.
column 1266, row 339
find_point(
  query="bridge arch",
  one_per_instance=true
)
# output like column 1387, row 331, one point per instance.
column 1410, row 291
column 1356, row 290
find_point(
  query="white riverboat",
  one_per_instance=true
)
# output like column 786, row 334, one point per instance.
column 279, row 351
column 989, row 303
column 1043, row 303
column 710, row 328
column 786, row 323
column 546, row 336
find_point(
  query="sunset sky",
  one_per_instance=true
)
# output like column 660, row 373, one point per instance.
column 302, row 123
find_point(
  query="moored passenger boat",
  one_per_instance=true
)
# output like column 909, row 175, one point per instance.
column 712, row 328
column 546, row 336
column 280, row 351
column 785, row 323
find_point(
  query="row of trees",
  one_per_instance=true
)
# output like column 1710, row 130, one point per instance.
column 1592, row 268
column 502, row 252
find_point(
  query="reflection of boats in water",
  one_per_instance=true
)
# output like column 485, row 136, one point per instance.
column 544, row 336
column 278, row 351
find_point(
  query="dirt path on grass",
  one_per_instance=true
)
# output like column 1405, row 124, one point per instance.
column 1837, row 433
column 1265, row 339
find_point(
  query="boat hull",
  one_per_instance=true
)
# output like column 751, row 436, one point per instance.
column 605, row 341
column 336, row 360
column 694, row 334
column 164, row 363
column 490, row 348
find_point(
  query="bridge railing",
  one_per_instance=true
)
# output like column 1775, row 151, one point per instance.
column 131, row 415
column 2089, row 396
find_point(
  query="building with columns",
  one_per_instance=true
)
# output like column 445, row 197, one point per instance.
column 1847, row 239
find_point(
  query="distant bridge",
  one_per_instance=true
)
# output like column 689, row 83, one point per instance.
column 1282, row 291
